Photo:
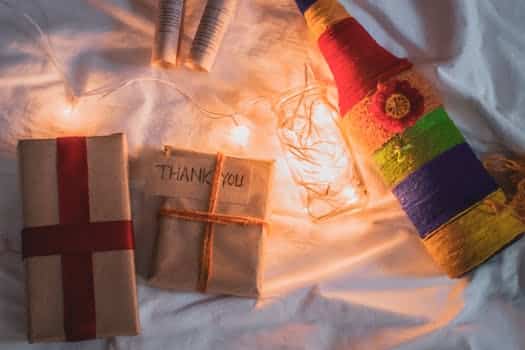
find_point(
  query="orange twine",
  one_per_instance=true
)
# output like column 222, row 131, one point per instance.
column 211, row 218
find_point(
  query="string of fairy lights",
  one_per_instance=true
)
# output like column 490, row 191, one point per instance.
column 240, row 132
column 316, row 154
column 313, row 146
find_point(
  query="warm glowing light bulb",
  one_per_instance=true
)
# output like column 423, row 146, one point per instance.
column 240, row 135
column 67, row 110
column 323, row 116
column 350, row 193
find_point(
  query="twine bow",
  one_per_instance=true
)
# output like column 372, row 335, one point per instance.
column 211, row 219
column 511, row 171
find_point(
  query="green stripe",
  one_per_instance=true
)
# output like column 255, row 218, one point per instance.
column 432, row 135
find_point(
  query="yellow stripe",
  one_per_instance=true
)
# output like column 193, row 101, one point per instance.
column 323, row 14
column 474, row 236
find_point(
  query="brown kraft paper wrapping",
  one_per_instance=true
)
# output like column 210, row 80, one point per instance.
column 237, row 250
column 113, row 271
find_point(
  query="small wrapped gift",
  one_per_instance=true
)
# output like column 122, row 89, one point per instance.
column 77, row 242
column 213, row 222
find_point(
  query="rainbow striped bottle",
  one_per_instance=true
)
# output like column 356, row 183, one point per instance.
column 396, row 117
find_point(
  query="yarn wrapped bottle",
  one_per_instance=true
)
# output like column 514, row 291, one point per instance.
column 396, row 117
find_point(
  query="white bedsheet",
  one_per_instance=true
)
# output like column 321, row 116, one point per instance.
column 358, row 282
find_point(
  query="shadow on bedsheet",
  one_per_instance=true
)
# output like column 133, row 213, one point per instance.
column 120, row 61
column 438, row 34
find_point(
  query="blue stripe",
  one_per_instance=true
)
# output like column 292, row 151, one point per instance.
column 304, row 4
column 447, row 185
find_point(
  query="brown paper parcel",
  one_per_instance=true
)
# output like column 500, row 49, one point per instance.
column 236, row 250
column 113, row 271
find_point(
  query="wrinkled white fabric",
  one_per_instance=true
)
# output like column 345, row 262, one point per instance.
column 358, row 282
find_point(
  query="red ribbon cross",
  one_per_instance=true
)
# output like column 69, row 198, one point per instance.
column 75, row 239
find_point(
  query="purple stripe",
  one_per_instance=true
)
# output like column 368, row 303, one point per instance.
column 443, row 188
column 304, row 4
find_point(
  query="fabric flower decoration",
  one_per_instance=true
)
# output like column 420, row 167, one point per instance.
column 397, row 105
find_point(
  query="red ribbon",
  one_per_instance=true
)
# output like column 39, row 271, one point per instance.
column 76, row 239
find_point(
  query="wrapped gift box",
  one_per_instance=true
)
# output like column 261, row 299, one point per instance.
column 213, row 222
column 78, row 238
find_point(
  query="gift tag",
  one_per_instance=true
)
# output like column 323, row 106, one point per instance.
column 185, row 174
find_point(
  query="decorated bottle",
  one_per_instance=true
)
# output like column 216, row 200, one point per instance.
column 396, row 117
